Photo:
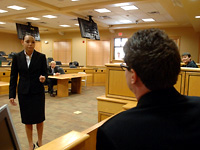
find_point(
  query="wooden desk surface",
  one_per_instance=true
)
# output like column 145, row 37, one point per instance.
column 69, row 76
column 4, row 83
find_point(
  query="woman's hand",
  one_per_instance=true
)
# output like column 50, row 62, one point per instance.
column 12, row 102
column 42, row 78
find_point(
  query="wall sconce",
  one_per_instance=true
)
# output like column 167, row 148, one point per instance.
column 46, row 42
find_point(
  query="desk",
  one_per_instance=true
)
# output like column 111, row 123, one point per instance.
column 63, row 80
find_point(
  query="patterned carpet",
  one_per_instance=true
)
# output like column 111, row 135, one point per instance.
column 76, row 112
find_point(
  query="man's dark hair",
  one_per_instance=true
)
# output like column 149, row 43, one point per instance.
column 154, row 57
column 186, row 54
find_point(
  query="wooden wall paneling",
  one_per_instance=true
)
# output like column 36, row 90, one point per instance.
column 99, row 78
column 38, row 46
column 177, row 40
column 117, row 85
column 90, row 79
column 98, row 53
column 192, row 84
column 180, row 82
column 62, row 51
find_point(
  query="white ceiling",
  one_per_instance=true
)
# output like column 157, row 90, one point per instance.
column 166, row 13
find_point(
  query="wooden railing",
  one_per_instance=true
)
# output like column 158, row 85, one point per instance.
column 85, row 140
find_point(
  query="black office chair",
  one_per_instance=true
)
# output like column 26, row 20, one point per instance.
column 58, row 63
column 2, row 53
column 71, row 65
column 76, row 63
column 3, row 59
column 49, row 59
column 61, row 71
column 11, row 55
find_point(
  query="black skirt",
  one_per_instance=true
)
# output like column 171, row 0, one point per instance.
column 32, row 108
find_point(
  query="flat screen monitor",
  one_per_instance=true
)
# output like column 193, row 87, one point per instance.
column 8, row 136
column 88, row 29
column 24, row 29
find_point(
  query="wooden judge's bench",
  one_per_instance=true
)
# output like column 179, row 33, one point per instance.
column 118, row 96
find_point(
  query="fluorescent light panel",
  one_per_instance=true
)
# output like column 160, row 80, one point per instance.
column 3, row 11
column 76, row 24
column 148, row 20
column 33, row 18
column 64, row 25
column 102, row 10
column 121, row 4
column 197, row 16
column 49, row 16
column 132, row 7
column 15, row 7
column 74, row 0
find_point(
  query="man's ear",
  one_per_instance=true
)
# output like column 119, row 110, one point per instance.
column 133, row 76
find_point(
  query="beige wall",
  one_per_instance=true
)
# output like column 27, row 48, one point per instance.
column 189, row 41
column 10, row 43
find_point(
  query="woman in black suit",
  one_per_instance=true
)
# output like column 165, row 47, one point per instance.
column 32, row 69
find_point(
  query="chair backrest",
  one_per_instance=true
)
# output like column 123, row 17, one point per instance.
column 76, row 63
column 11, row 55
column 58, row 63
column 3, row 58
column 2, row 53
column 71, row 65
column 49, row 59
column 61, row 71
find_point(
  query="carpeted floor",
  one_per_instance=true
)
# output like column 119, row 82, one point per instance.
column 61, row 116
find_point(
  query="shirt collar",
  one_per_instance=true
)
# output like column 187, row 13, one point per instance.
column 28, row 55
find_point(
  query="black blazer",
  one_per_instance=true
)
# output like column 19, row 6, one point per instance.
column 162, row 120
column 28, row 77
column 49, row 70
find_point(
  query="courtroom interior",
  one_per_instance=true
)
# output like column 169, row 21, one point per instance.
column 92, row 86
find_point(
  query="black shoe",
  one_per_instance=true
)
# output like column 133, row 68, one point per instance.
column 33, row 146
column 37, row 144
column 52, row 95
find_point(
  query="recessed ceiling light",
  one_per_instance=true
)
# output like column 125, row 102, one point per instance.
column 121, row 4
column 102, row 10
column 33, row 18
column 2, row 23
column 132, row 7
column 3, row 11
column 49, row 16
column 125, row 21
column 197, row 16
column 148, row 20
column 15, row 7
column 64, row 25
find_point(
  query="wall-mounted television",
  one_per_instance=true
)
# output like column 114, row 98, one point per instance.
column 88, row 29
column 23, row 29
column 8, row 136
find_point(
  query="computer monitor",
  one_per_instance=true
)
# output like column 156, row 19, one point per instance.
column 8, row 136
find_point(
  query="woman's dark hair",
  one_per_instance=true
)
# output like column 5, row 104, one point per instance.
column 26, row 35
column 154, row 57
